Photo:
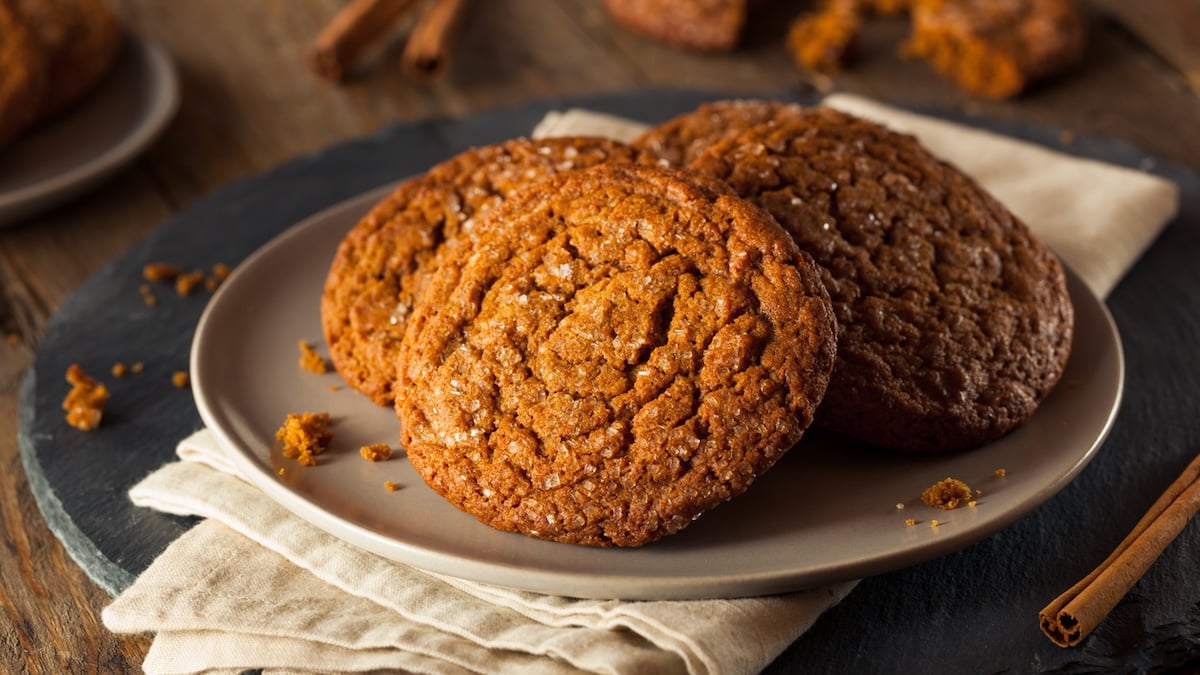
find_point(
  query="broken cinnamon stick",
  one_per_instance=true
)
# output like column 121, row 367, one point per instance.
column 427, row 52
column 1074, row 614
column 344, row 40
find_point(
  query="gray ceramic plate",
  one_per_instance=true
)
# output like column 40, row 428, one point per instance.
column 61, row 159
column 827, row 512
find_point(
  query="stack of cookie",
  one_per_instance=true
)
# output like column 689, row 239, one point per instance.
column 595, row 343
column 52, row 54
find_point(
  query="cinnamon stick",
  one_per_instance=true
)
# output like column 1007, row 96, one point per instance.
column 1074, row 614
column 344, row 40
column 427, row 52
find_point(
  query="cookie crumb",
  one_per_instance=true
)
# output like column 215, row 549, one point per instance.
column 972, row 503
column 910, row 521
column 137, row 367
column 147, row 295
column 180, row 379
column 899, row 506
column 946, row 494
column 376, row 452
column 160, row 272
column 334, row 387
column 281, row 471
column 390, row 486
column 934, row 523
column 185, row 284
column 1001, row 473
column 119, row 369
column 305, row 435
column 311, row 361
column 85, row 402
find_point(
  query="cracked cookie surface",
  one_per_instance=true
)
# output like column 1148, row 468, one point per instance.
column 681, row 139
column 620, row 350
column 954, row 320
column 379, row 266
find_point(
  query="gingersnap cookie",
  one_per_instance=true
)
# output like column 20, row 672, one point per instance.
column 709, row 25
column 997, row 49
column 23, row 74
column 679, row 140
column 82, row 39
column 621, row 349
column 824, row 41
column 378, row 267
column 954, row 320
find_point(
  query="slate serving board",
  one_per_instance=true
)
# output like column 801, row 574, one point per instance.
column 972, row 611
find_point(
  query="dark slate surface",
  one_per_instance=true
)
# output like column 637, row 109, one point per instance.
column 972, row 611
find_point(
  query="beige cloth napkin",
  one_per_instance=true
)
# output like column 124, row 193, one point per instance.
column 253, row 586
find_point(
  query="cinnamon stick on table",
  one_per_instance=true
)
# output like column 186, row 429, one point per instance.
column 1071, row 616
column 344, row 40
column 427, row 53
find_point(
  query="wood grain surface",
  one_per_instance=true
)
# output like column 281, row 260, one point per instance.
column 249, row 103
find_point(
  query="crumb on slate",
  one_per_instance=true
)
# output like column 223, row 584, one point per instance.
column 85, row 402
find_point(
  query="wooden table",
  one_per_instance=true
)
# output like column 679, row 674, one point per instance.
column 249, row 103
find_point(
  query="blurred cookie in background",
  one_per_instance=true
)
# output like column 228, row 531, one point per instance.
column 59, row 50
column 24, row 68
column 710, row 25
column 993, row 49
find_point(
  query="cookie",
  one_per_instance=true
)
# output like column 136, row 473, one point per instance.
column 621, row 349
column 709, row 25
column 997, row 49
column 678, row 141
column 24, row 67
column 825, row 41
column 82, row 39
column 378, row 267
column 954, row 320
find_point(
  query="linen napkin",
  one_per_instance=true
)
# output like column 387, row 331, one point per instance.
column 253, row 586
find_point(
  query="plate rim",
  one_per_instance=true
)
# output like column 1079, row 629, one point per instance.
column 593, row 584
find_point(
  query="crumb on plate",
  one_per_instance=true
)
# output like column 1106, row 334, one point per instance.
column 946, row 494
column 376, row 452
column 305, row 435
column 311, row 361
